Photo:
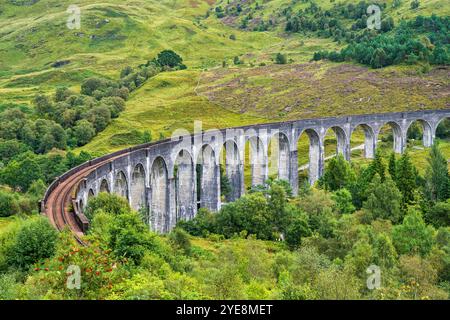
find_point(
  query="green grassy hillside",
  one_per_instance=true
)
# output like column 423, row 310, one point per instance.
column 115, row 34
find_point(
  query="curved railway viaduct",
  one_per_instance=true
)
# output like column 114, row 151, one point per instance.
column 171, row 179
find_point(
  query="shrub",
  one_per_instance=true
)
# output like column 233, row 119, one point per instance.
column 180, row 240
column 35, row 240
column 8, row 204
column 109, row 203
column 280, row 59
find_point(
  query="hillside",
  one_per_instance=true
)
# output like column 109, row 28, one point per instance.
column 36, row 58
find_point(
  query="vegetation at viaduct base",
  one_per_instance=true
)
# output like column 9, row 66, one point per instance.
column 266, row 245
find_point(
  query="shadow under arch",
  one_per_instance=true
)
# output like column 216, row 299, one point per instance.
column 104, row 186
column 231, row 160
column 443, row 128
column 420, row 130
column 314, row 167
column 258, row 161
column 370, row 142
column 208, row 179
column 138, row 199
column 159, row 200
column 184, row 173
column 341, row 146
column 396, row 135
column 279, row 156
column 121, row 185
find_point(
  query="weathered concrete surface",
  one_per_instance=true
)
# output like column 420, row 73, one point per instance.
column 173, row 178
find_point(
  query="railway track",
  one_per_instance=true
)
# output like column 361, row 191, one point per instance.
column 58, row 203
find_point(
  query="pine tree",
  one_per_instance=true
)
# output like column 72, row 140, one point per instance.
column 338, row 174
column 393, row 166
column 378, row 166
column 406, row 178
column 384, row 201
column 437, row 177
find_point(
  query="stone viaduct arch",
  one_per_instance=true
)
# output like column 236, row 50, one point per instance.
column 185, row 177
column 171, row 179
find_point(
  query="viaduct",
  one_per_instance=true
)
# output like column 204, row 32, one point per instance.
column 171, row 179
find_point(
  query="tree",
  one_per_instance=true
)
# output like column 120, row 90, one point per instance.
column 43, row 105
column 22, row 172
column 406, row 178
column 415, row 4
column 344, row 202
column 180, row 240
column 377, row 166
column 203, row 223
column 384, row 201
column 413, row 235
column 437, row 180
column 92, row 84
column 379, row 58
column 10, row 149
column 338, row 174
column 280, row 58
column 277, row 200
column 100, row 117
column 62, row 93
column 37, row 189
column 392, row 167
column 35, row 240
column 439, row 214
column 83, row 132
column 169, row 58
column 318, row 206
column 440, row 56
column 297, row 229
column 385, row 254
column 129, row 237
column 251, row 213
column 126, row 71
column 225, row 184
column 115, row 105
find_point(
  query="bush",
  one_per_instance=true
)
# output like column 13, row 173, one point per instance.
column 280, row 59
column 35, row 240
column 201, row 225
column 109, row 203
column 180, row 240
column 8, row 204
column 129, row 237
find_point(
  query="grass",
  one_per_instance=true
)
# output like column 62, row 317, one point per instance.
column 115, row 34
column 7, row 223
